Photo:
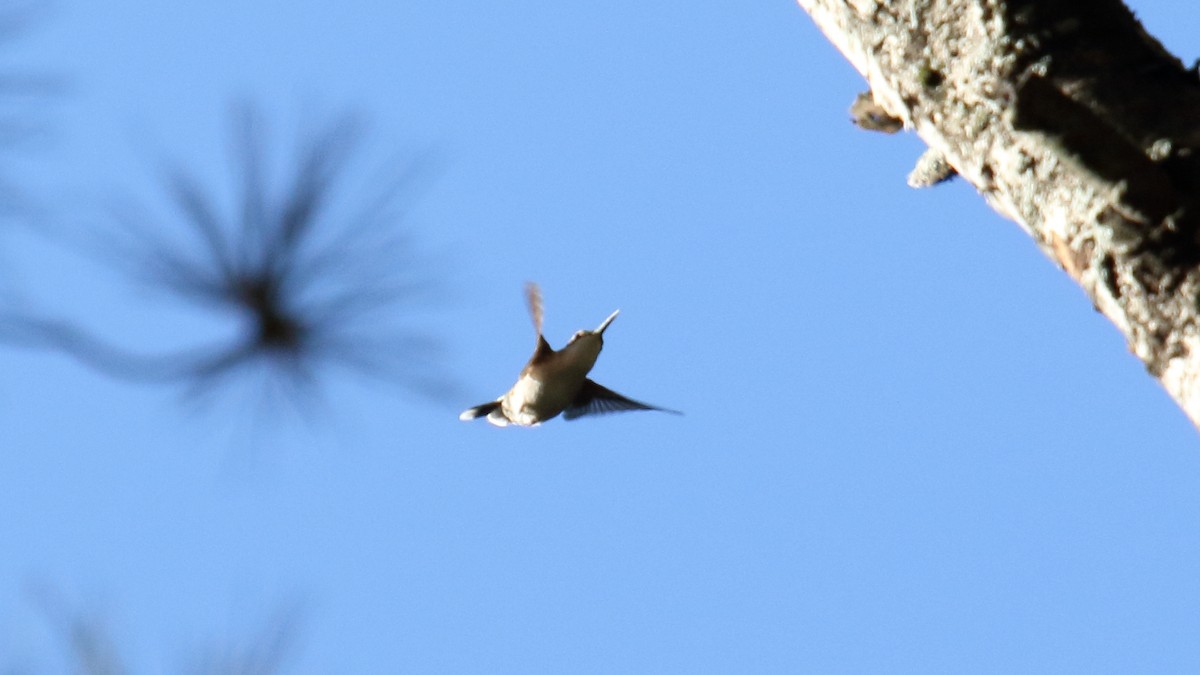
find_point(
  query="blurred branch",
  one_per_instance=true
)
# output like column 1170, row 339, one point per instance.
column 88, row 644
column 264, row 655
column 312, row 286
column 91, row 650
column 25, row 330
column 22, row 93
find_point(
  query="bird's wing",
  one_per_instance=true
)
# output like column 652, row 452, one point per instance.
column 533, row 295
column 594, row 399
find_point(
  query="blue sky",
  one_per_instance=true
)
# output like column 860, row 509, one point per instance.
column 910, row 444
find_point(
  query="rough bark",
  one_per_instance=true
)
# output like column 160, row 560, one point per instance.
column 1069, row 119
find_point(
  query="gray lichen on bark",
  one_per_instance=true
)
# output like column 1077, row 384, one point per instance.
column 1074, row 122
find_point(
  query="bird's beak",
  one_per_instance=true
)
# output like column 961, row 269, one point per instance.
column 600, row 330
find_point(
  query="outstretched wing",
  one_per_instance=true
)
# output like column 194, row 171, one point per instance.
column 533, row 295
column 594, row 399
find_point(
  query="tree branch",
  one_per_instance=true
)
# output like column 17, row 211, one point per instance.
column 1074, row 122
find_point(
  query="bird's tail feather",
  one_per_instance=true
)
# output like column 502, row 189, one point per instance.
column 478, row 411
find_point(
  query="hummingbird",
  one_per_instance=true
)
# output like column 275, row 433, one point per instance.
column 556, row 382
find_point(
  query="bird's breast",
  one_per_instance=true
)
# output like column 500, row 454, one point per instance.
column 537, row 397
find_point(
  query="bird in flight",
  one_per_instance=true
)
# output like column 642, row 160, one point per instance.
column 556, row 382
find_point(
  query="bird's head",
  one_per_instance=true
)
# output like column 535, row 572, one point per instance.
column 585, row 345
column 598, row 334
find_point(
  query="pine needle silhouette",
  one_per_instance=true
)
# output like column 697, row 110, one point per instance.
column 313, row 285
column 88, row 646
column 23, row 98
column 266, row 653
column 86, row 641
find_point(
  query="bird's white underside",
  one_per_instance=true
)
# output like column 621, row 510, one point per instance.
column 532, row 401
